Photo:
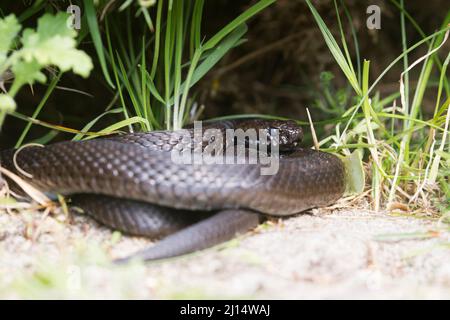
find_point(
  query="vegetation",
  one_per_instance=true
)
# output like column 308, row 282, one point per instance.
column 150, row 56
column 51, row 44
column 151, row 74
column 408, row 155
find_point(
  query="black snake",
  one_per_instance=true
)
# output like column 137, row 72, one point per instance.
column 130, row 183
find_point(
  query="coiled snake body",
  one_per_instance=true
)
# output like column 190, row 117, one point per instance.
column 129, row 183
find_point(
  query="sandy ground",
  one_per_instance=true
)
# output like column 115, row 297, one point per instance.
column 340, row 254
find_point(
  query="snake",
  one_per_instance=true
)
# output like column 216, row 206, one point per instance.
column 129, row 182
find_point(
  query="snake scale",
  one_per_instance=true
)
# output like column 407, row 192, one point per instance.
column 128, row 182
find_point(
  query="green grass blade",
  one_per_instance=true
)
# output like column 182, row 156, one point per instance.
column 214, row 57
column 242, row 18
column 121, row 124
column 96, row 38
column 36, row 112
column 157, row 39
column 91, row 123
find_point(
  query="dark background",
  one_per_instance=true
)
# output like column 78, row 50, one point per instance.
column 277, row 71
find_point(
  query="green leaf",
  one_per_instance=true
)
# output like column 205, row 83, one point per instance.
column 7, row 103
column 53, row 43
column 26, row 72
column 9, row 28
column 49, row 26
column 355, row 176
column 58, row 51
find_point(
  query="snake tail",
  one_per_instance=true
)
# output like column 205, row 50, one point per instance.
column 221, row 227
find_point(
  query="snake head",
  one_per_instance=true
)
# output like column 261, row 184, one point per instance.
column 285, row 134
column 289, row 133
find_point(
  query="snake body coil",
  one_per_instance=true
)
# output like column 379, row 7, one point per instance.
column 130, row 183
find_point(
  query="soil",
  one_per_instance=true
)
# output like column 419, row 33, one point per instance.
column 326, row 253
